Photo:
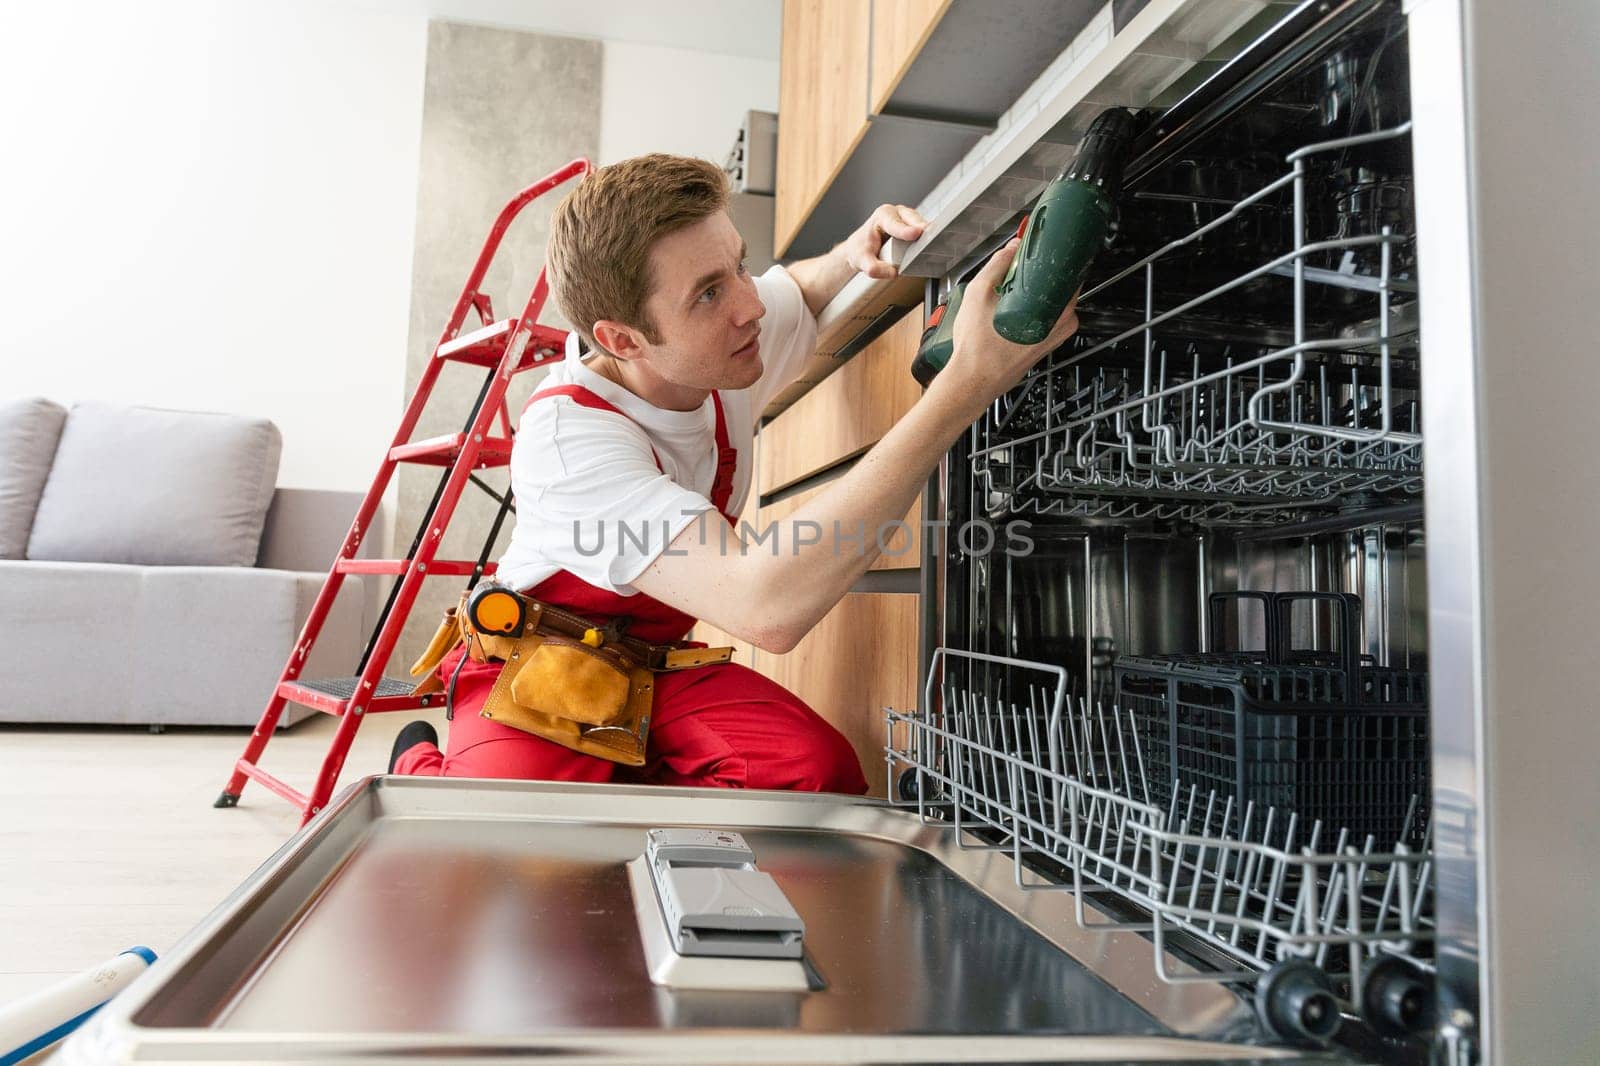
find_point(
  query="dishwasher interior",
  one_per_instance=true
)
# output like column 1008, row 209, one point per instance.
column 1189, row 681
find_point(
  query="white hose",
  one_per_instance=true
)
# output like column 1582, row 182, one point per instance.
column 34, row 1022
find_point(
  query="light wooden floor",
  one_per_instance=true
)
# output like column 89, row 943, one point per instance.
column 108, row 837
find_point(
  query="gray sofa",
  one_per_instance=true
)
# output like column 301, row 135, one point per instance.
column 151, row 574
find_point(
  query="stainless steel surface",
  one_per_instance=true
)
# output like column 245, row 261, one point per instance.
column 1062, row 781
column 1455, row 586
column 1149, row 592
column 519, row 930
column 483, row 917
column 1509, row 216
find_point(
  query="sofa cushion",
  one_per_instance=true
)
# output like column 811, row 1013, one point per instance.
column 218, row 665
column 147, row 486
column 29, row 430
column 67, row 637
column 139, row 645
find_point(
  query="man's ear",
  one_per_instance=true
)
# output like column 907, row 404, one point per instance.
column 622, row 341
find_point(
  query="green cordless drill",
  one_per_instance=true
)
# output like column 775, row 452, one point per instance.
column 938, row 338
column 1071, row 221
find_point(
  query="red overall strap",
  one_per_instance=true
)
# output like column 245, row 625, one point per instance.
column 727, row 464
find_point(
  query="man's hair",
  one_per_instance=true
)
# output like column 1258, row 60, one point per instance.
column 602, row 232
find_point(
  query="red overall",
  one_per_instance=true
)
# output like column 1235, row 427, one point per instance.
column 722, row 725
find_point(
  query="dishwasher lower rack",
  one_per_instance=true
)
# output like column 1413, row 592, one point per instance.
column 1252, row 893
column 1330, row 734
column 1179, row 407
column 1336, row 762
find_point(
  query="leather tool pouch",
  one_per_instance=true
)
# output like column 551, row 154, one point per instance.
column 571, row 680
column 443, row 642
column 581, row 698
column 595, row 700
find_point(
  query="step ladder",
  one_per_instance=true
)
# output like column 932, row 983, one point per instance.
column 505, row 348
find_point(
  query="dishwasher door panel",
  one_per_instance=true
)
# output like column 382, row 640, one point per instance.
column 429, row 920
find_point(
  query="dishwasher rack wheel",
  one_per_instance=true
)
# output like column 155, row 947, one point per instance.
column 1296, row 1003
column 1397, row 999
column 910, row 787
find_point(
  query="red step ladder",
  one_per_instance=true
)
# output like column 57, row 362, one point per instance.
column 506, row 348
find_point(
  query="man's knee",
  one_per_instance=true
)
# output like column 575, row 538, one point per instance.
column 743, row 729
column 828, row 763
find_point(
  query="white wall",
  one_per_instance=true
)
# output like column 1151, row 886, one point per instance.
column 728, row 27
column 211, row 206
column 657, row 99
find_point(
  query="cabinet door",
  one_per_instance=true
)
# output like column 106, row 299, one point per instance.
column 899, row 30
column 860, row 658
column 901, row 546
column 822, row 102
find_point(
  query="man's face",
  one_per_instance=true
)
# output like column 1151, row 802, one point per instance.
column 705, row 309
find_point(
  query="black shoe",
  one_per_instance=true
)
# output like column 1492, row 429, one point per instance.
column 418, row 732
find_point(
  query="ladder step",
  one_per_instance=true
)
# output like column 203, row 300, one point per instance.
column 484, row 347
column 332, row 695
column 437, row 568
column 345, row 687
column 442, row 451
column 273, row 784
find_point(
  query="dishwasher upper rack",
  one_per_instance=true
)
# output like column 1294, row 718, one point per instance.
column 1138, row 425
column 1061, row 784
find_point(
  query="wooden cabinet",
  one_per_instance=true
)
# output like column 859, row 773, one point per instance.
column 846, row 413
column 860, row 658
column 822, row 102
column 839, row 64
column 899, row 30
column 901, row 547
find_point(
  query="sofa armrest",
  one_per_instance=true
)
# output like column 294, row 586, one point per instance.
column 304, row 531
column 306, row 527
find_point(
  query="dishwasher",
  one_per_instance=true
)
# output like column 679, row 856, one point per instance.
column 1198, row 775
column 1198, row 699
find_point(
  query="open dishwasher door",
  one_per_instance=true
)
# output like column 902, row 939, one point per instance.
column 437, row 921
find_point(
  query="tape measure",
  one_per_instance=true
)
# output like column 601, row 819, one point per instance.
column 496, row 609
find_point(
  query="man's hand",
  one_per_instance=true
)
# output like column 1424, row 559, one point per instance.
column 985, row 363
column 820, row 279
column 861, row 248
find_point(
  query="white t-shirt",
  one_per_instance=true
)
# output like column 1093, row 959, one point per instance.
column 590, row 498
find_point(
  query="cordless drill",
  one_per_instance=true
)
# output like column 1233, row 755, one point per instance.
column 1071, row 221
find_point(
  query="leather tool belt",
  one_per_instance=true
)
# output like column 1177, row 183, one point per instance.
column 586, row 687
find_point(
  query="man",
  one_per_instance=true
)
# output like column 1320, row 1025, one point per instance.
column 631, row 462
